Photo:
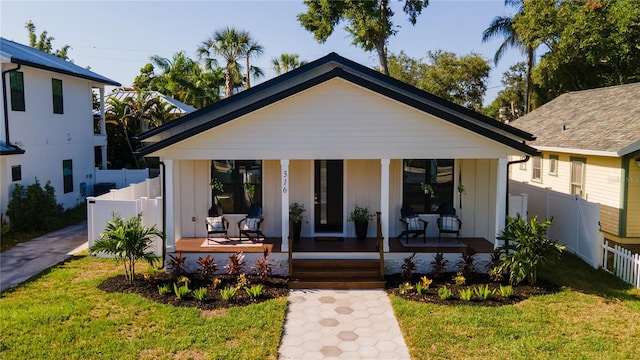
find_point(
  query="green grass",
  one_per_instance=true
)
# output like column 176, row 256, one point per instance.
column 69, row 217
column 62, row 315
column 594, row 316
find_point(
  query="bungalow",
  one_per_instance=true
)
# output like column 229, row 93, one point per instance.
column 590, row 146
column 47, row 130
column 333, row 135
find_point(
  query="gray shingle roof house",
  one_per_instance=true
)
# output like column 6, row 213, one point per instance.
column 590, row 144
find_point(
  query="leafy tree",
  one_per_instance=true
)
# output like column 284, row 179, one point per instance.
column 286, row 63
column 230, row 45
column 368, row 22
column 128, row 241
column 503, row 26
column 181, row 78
column 528, row 249
column 34, row 202
column 461, row 80
column 509, row 103
column 591, row 44
column 253, row 49
column 43, row 42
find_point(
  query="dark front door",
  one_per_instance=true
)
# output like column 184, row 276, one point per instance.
column 328, row 196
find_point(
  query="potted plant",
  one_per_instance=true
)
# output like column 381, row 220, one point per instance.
column 432, row 200
column 360, row 217
column 296, row 215
column 217, row 188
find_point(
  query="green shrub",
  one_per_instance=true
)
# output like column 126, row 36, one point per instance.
column 466, row 294
column 200, row 294
column 528, row 249
column 483, row 292
column 34, row 203
column 255, row 291
column 182, row 292
column 164, row 290
column 506, row 291
column 228, row 293
column 421, row 288
column 405, row 288
column 445, row 293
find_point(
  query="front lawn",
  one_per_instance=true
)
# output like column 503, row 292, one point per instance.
column 594, row 315
column 64, row 315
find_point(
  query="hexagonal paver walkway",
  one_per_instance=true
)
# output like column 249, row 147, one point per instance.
column 341, row 324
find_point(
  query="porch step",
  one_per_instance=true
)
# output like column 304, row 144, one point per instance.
column 336, row 274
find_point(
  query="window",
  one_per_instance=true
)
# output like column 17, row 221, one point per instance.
column 437, row 173
column 16, row 82
column 523, row 165
column 16, row 172
column 242, row 184
column 56, row 89
column 67, row 175
column 536, row 167
column 553, row 165
column 577, row 176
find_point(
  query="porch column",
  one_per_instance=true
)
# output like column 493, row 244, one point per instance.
column 103, row 129
column 284, row 176
column 501, row 197
column 384, row 201
column 169, row 203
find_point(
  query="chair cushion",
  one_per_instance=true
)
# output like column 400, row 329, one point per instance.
column 215, row 223
column 251, row 224
column 413, row 223
column 449, row 223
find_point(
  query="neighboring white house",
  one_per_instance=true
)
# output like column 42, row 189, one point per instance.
column 47, row 123
column 331, row 135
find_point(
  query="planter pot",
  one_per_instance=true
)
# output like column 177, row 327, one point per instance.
column 297, row 229
column 361, row 229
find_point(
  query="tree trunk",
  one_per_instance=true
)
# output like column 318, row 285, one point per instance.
column 228, row 84
column 247, row 85
column 527, row 91
column 382, row 56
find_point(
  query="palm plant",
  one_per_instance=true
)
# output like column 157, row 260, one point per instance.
column 231, row 45
column 504, row 26
column 252, row 50
column 127, row 241
column 286, row 63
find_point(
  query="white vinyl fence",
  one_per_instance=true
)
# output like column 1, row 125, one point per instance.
column 141, row 199
column 121, row 177
column 576, row 222
column 624, row 264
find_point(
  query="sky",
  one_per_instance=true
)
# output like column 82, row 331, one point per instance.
column 117, row 38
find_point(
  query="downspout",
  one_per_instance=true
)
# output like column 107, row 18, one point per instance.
column 164, row 214
column 506, row 215
column 4, row 103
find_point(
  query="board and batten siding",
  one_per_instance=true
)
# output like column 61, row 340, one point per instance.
column 336, row 120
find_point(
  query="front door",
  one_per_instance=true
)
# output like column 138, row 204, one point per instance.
column 328, row 196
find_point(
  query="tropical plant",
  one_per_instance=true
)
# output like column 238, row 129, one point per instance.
column 200, row 294
column 445, row 293
column 263, row 266
column 368, row 22
column 427, row 189
column 466, row 294
column 483, row 292
column 527, row 249
column 177, row 265
column 425, row 281
column 181, row 291
column 164, row 289
column 215, row 283
column 43, row 42
column 231, row 45
column 467, row 264
column 408, row 266
column 439, row 264
column 128, row 241
column 360, row 214
column 405, row 288
column 236, row 264
column 228, row 293
column 296, row 212
column 421, row 288
column 506, row 291
column 286, row 63
column 459, row 279
column 208, row 266
column 255, row 291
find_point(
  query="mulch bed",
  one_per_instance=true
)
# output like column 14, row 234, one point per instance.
column 520, row 292
column 273, row 287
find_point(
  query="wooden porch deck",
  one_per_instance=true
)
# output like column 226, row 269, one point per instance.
column 274, row 245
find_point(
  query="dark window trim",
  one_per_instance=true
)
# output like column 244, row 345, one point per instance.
column 58, row 99
column 429, row 205
column 67, row 179
column 17, row 92
column 557, row 160
column 236, row 186
column 16, row 172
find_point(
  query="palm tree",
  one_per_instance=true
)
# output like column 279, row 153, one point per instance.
column 231, row 45
column 503, row 26
column 128, row 241
column 252, row 50
column 286, row 63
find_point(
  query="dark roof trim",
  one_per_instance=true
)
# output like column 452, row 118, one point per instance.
column 10, row 149
column 65, row 72
column 341, row 73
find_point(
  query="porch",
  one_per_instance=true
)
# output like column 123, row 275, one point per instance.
column 335, row 245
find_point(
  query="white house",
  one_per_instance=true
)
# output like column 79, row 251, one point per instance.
column 331, row 135
column 47, row 129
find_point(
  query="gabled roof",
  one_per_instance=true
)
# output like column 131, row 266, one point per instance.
column 603, row 121
column 25, row 55
column 178, row 107
column 8, row 149
column 314, row 73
